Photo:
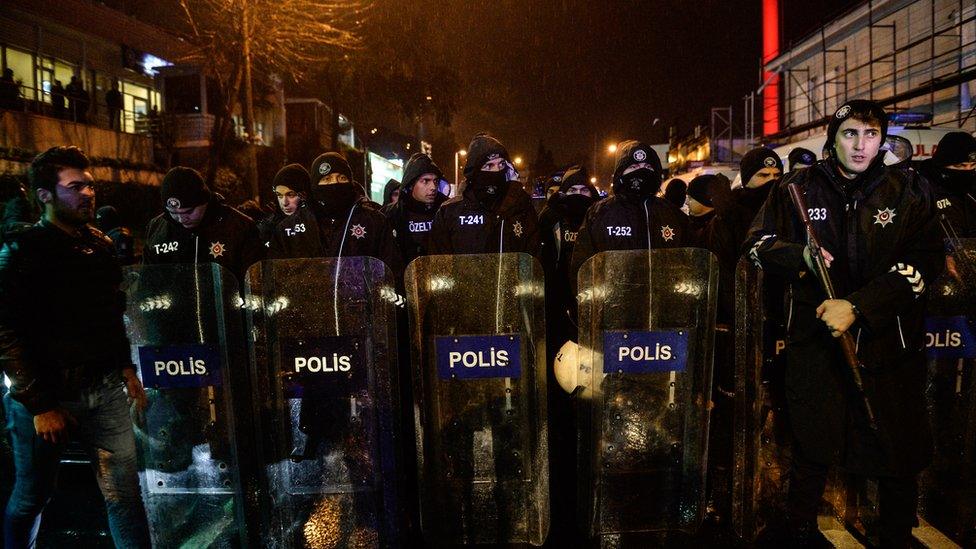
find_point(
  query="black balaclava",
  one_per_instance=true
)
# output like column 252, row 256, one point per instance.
column 574, row 206
column 955, row 148
column 334, row 198
column 488, row 187
column 641, row 183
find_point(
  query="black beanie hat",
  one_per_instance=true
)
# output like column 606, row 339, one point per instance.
column 803, row 156
column 702, row 187
column 676, row 192
column 183, row 188
column 295, row 177
column 857, row 108
column 483, row 148
column 758, row 159
column 633, row 152
column 955, row 148
column 326, row 163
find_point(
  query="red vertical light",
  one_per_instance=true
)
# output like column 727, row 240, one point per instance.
column 770, row 52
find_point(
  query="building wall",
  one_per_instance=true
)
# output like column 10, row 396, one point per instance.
column 41, row 49
column 38, row 133
column 916, row 43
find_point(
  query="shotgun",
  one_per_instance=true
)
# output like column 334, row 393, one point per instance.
column 846, row 339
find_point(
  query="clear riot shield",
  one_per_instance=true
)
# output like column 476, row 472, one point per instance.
column 646, row 325
column 478, row 360
column 184, row 326
column 323, row 359
column 762, row 439
column 948, row 487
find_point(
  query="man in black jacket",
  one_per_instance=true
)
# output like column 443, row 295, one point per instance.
column 412, row 215
column 559, row 224
column 337, row 220
column 633, row 218
column 493, row 214
column 197, row 227
column 877, row 227
column 64, row 348
column 952, row 173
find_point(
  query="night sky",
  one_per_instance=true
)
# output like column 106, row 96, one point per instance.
column 575, row 73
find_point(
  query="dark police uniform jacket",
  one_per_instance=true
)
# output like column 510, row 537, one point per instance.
column 463, row 225
column 360, row 230
column 60, row 313
column 881, row 232
column 225, row 236
column 412, row 222
column 626, row 222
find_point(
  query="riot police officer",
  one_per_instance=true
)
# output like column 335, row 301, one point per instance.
column 337, row 220
column 493, row 214
column 198, row 227
column 633, row 218
column 559, row 224
column 412, row 215
column 952, row 173
column 877, row 227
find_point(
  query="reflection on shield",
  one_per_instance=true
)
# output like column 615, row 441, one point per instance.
column 184, row 326
column 324, row 335
column 478, row 332
column 948, row 487
column 647, row 322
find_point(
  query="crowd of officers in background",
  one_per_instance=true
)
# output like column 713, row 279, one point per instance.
column 323, row 212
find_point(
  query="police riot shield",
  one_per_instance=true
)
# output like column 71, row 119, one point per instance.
column 478, row 361
column 762, row 436
column 761, row 439
column 646, row 325
column 184, row 326
column 948, row 486
column 323, row 359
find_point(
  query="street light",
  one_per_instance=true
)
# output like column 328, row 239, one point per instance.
column 457, row 156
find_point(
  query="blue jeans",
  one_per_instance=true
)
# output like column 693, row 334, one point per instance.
column 105, row 430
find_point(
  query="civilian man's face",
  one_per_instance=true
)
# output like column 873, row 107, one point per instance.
column 857, row 145
column 73, row 199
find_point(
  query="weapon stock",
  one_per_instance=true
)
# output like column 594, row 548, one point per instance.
column 846, row 339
